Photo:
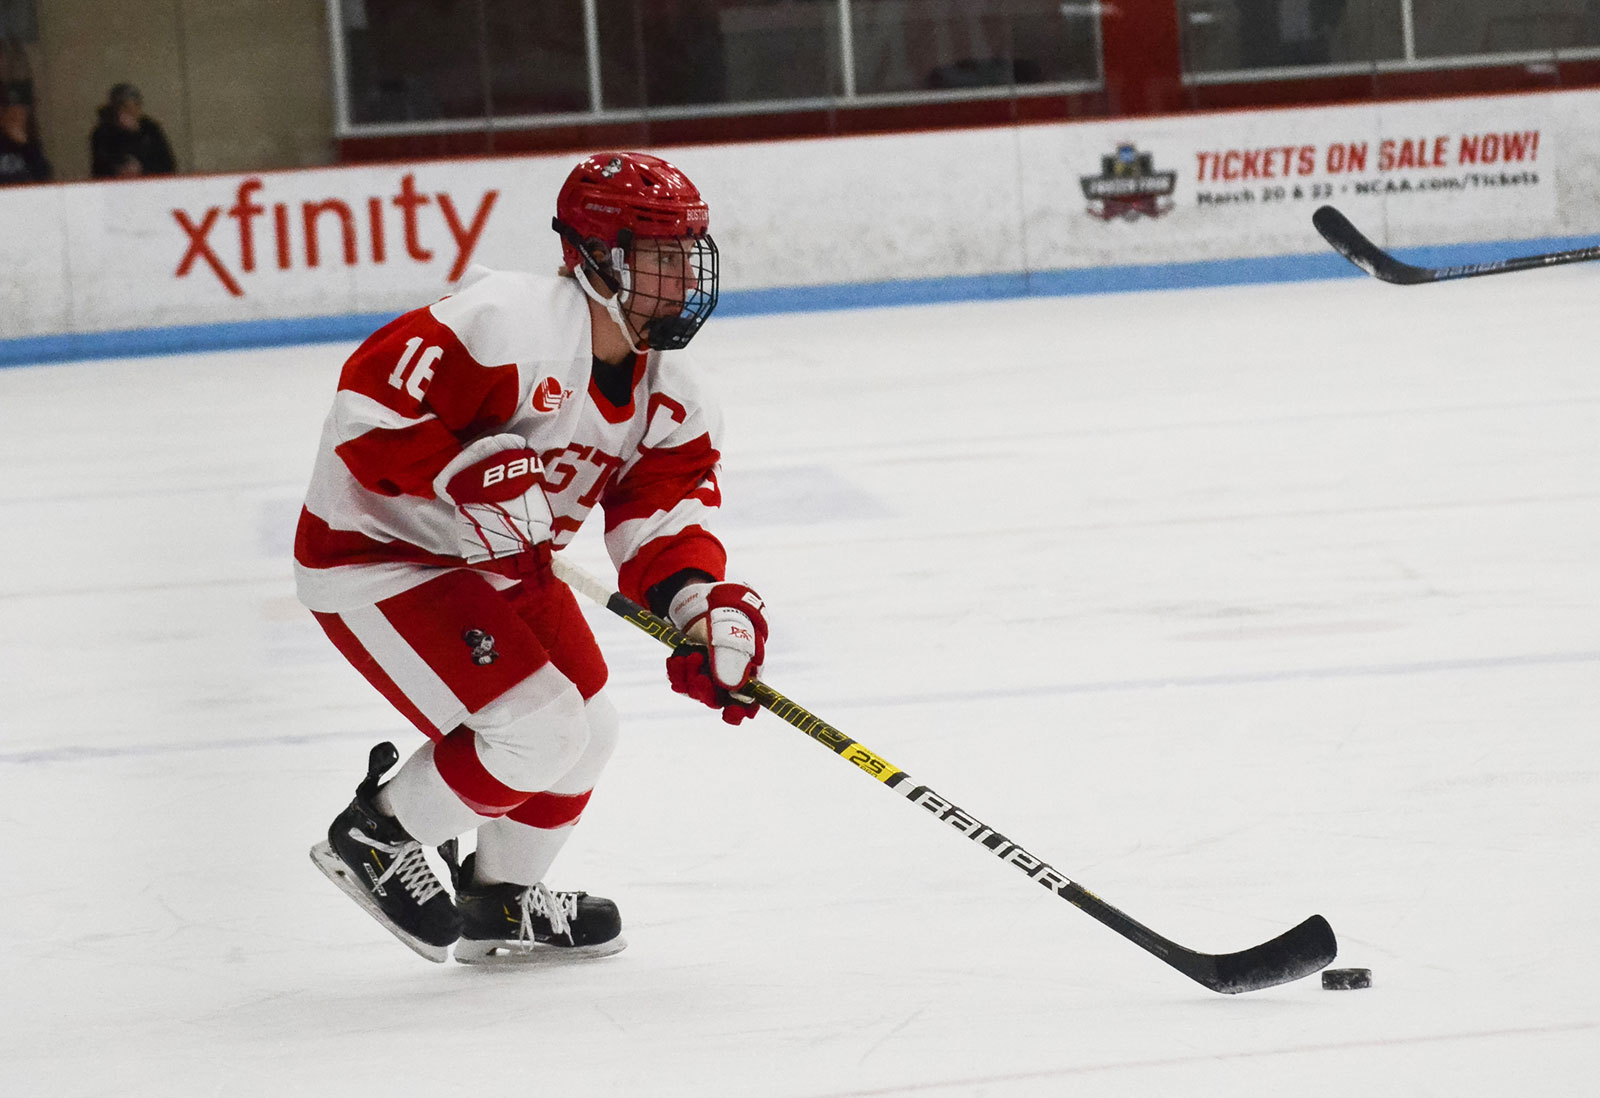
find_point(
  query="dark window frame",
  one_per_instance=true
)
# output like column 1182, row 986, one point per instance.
column 1142, row 74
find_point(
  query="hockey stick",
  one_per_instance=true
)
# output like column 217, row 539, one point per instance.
column 1291, row 955
column 1348, row 241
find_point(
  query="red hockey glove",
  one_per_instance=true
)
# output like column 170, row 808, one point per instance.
column 727, row 619
column 504, row 519
column 689, row 673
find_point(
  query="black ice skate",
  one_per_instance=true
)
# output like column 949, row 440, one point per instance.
column 378, row 865
column 518, row 924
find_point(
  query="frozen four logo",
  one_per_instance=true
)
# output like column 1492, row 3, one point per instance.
column 1129, row 187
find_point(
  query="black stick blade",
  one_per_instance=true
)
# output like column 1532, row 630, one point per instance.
column 1296, row 953
column 1307, row 948
column 1348, row 241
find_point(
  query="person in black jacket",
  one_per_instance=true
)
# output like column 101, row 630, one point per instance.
column 21, row 154
column 127, row 142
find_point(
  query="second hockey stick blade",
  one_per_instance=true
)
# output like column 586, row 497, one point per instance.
column 1349, row 242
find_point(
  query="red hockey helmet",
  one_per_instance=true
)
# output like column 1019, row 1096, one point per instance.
column 609, row 201
column 611, row 192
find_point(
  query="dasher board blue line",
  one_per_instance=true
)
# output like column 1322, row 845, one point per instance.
column 292, row 331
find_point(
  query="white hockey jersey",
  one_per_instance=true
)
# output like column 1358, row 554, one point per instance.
column 508, row 353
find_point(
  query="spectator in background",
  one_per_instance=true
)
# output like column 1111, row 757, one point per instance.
column 21, row 154
column 127, row 142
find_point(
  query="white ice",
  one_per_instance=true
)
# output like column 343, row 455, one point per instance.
column 1234, row 604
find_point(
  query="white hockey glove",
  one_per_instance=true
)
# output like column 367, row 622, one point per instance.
column 497, row 487
column 728, row 619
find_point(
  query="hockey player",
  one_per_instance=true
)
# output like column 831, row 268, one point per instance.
column 468, row 440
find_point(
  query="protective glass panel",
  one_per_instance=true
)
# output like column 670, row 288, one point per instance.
column 16, row 71
column 18, row 21
column 413, row 60
column 674, row 53
column 1232, row 35
column 536, row 56
column 1463, row 28
column 912, row 45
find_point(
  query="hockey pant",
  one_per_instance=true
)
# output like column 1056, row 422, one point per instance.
column 507, row 685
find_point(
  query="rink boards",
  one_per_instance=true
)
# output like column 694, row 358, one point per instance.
column 225, row 260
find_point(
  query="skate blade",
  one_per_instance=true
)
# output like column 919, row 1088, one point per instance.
column 499, row 952
column 323, row 857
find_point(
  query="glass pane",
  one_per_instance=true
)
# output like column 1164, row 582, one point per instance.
column 908, row 45
column 666, row 53
column 1229, row 35
column 413, row 59
column 537, row 60
column 1461, row 28
column 18, row 21
column 16, row 73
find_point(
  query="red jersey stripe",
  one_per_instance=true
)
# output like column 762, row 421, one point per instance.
column 400, row 461
column 661, row 479
column 693, row 547
column 318, row 545
column 415, row 364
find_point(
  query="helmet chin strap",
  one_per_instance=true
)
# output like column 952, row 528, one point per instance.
column 613, row 308
column 613, row 304
column 616, row 275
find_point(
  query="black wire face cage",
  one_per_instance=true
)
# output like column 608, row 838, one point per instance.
column 673, row 331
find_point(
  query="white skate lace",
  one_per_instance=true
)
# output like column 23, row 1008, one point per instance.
column 558, row 908
column 408, row 864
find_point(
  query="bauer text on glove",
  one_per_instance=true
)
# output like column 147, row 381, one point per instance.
column 502, row 514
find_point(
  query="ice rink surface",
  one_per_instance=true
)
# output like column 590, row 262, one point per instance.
column 1234, row 604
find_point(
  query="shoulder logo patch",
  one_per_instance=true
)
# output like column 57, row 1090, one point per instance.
column 549, row 396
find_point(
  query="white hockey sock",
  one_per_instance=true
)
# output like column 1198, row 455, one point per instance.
column 511, row 852
column 418, row 797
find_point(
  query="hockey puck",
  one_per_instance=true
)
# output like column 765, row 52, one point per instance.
column 1346, row 979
